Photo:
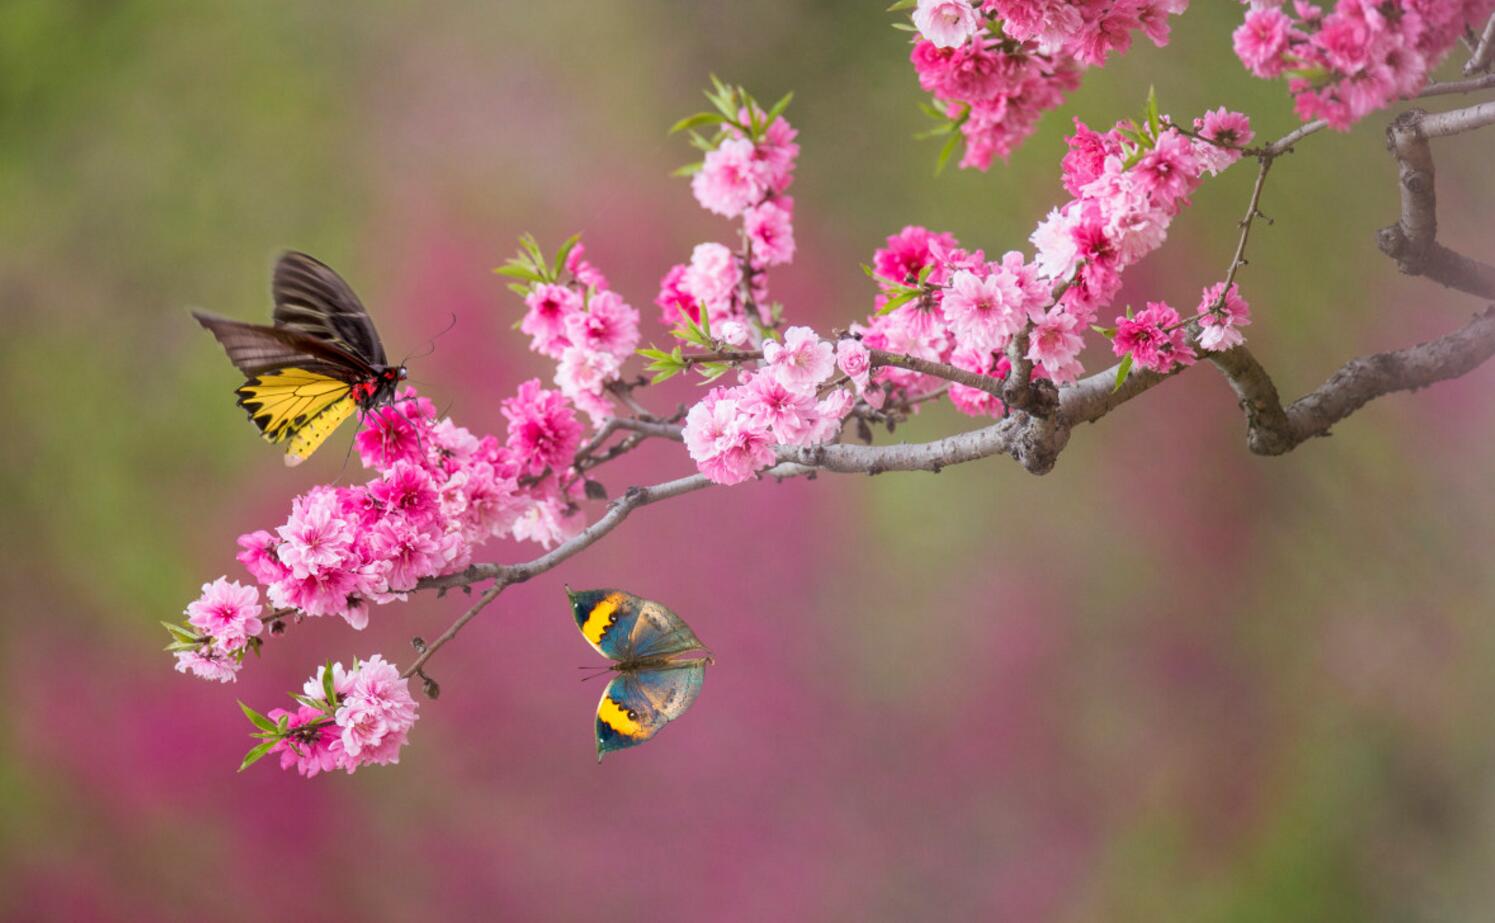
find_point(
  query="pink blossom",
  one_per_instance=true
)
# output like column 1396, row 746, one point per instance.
column 388, row 436
column 259, row 558
column 543, row 520
column 608, row 324
column 946, row 23
column 326, row 592
column 317, row 537
column 908, row 252
column 674, row 299
column 208, row 664
column 550, row 307
column 1154, row 338
column 730, row 180
column 1055, row 344
column 228, row 612
column 770, row 230
column 984, row 313
column 1261, row 40
column 802, row 361
column 376, row 715
column 312, row 743
column 411, row 552
column 1230, row 131
column 734, row 332
column 853, row 358
column 582, row 371
column 405, row 489
column 727, row 446
column 1221, row 316
column 974, row 401
column 789, row 415
column 831, row 411
column 586, row 273
column 342, row 682
column 713, row 275
column 543, row 430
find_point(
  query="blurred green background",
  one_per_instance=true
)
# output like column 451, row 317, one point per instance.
column 1169, row 681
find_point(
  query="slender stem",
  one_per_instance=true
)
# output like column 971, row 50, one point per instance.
column 1484, row 52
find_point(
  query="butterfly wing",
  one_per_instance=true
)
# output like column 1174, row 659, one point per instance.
column 625, row 627
column 312, row 299
column 606, row 619
column 636, row 706
column 255, row 349
column 298, row 389
column 658, row 631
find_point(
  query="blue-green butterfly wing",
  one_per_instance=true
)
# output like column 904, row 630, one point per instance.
column 626, row 628
column 606, row 619
column 636, row 706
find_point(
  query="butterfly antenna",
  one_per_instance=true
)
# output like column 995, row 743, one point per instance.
column 431, row 343
column 600, row 671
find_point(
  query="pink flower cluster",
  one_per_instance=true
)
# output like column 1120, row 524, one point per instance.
column 224, row 619
column 441, row 491
column 588, row 329
column 731, row 434
column 996, row 69
column 1156, row 338
column 1125, row 197
column 747, row 179
column 1357, row 58
column 366, row 723
column 972, row 309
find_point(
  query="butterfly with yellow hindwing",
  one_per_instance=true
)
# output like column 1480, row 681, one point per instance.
column 660, row 664
column 320, row 361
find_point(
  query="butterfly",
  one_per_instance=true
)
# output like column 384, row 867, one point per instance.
column 660, row 664
column 320, row 361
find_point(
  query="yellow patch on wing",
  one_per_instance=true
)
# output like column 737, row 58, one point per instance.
column 616, row 717
column 280, row 403
column 309, row 436
column 600, row 618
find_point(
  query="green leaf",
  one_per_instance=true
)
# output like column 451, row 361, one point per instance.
column 779, row 107
column 902, row 5
column 689, row 169
column 257, row 719
column 522, row 291
column 871, row 274
column 898, row 301
column 1107, row 332
column 924, row 273
column 904, row 27
column 328, row 691
column 254, row 755
column 516, row 271
column 1153, row 121
column 945, row 151
column 699, row 118
column 711, row 371
column 182, row 633
column 560, row 255
column 1122, row 371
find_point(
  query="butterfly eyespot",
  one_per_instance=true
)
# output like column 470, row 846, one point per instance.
column 632, row 715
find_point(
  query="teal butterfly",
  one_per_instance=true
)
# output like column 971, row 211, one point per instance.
column 660, row 664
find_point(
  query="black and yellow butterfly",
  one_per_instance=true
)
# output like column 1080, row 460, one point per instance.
column 660, row 664
column 320, row 361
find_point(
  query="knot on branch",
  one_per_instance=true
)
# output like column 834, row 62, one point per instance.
column 1038, row 442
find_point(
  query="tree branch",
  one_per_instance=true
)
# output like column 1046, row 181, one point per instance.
column 1412, row 241
column 1035, row 441
column 1483, row 52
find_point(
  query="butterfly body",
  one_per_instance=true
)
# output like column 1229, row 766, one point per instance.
column 318, row 363
column 660, row 664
